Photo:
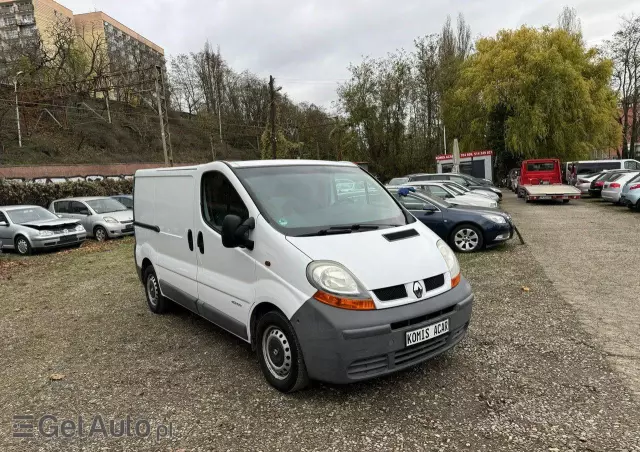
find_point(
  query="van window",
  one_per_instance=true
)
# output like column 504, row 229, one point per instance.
column 308, row 199
column 220, row 199
column 632, row 164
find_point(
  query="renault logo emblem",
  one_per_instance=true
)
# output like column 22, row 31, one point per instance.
column 417, row 289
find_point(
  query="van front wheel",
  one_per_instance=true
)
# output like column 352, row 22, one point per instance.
column 279, row 353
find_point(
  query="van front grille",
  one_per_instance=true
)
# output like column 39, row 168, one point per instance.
column 391, row 293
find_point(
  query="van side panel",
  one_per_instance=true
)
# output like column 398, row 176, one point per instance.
column 170, row 210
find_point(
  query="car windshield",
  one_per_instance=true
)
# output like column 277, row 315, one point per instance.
column 307, row 199
column 30, row 214
column 106, row 205
column 456, row 189
column 438, row 202
column 398, row 181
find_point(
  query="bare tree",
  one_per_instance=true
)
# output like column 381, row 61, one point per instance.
column 623, row 49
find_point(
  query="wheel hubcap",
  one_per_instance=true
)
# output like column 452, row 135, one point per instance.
column 466, row 239
column 277, row 352
column 152, row 290
column 23, row 246
column 100, row 235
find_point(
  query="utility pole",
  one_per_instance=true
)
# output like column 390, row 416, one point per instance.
column 106, row 101
column 164, row 117
column 272, row 116
column 15, row 87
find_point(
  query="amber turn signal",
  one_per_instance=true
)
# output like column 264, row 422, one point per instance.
column 455, row 281
column 345, row 303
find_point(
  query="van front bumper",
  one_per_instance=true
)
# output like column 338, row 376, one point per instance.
column 342, row 346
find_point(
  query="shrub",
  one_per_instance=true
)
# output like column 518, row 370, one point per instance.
column 12, row 193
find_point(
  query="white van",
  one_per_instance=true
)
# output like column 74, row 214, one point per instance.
column 324, row 285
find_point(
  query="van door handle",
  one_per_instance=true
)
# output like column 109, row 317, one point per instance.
column 190, row 240
column 200, row 242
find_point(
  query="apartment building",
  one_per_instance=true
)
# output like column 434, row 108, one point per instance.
column 23, row 22
column 126, row 49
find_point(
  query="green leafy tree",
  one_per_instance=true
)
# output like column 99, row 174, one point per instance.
column 536, row 93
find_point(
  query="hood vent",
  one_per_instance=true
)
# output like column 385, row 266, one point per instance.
column 401, row 235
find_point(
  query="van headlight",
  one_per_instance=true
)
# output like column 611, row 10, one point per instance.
column 337, row 286
column 452, row 262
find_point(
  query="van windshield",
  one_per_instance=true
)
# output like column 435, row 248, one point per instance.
column 312, row 199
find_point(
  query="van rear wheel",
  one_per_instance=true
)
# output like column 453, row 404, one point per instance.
column 279, row 353
column 156, row 302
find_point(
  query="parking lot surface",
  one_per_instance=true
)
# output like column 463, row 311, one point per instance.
column 590, row 250
column 76, row 338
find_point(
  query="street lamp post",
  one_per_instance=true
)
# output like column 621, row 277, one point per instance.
column 15, row 87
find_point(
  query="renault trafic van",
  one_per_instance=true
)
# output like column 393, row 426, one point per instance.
column 313, row 263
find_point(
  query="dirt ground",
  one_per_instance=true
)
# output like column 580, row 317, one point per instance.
column 591, row 251
column 76, row 339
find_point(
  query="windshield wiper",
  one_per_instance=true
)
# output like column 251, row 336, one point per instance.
column 342, row 230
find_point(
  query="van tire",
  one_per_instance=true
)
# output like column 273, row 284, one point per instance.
column 155, row 301
column 274, row 333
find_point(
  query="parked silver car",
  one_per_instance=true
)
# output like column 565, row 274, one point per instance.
column 29, row 228
column 125, row 200
column 630, row 196
column 103, row 218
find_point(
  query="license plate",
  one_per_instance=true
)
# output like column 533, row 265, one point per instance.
column 544, row 197
column 68, row 238
column 427, row 333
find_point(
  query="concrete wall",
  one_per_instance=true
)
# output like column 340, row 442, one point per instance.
column 48, row 15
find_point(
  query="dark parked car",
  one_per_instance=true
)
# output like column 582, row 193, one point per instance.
column 470, row 182
column 597, row 184
column 466, row 229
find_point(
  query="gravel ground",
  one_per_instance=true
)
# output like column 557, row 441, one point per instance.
column 591, row 250
column 77, row 339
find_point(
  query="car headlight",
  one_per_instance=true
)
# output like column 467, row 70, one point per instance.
column 494, row 204
column 46, row 234
column 452, row 262
column 110, row 220
column 80, row 228
column 337, row 286
column 495, row 218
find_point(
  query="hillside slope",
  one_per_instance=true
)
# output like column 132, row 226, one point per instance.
column 85, row 136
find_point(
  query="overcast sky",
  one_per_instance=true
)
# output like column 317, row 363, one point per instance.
column 308, row 44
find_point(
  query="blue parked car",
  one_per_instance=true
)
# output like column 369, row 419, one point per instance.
column 465, row 228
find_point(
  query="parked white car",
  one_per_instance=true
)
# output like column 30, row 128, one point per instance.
column 441, row 190
column 324, row 286
column 464, row 190
column 613, row 187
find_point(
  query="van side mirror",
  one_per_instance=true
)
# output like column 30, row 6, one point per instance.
column 235, row 232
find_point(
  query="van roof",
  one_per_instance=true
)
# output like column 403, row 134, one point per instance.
column 284, row 162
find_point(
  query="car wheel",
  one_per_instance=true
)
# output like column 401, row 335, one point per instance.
column 279, row 353
column 638, row 205
column 100, row 234
column 23, row 247
column 565, row 201
column 467, row 239
column 156, row 302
